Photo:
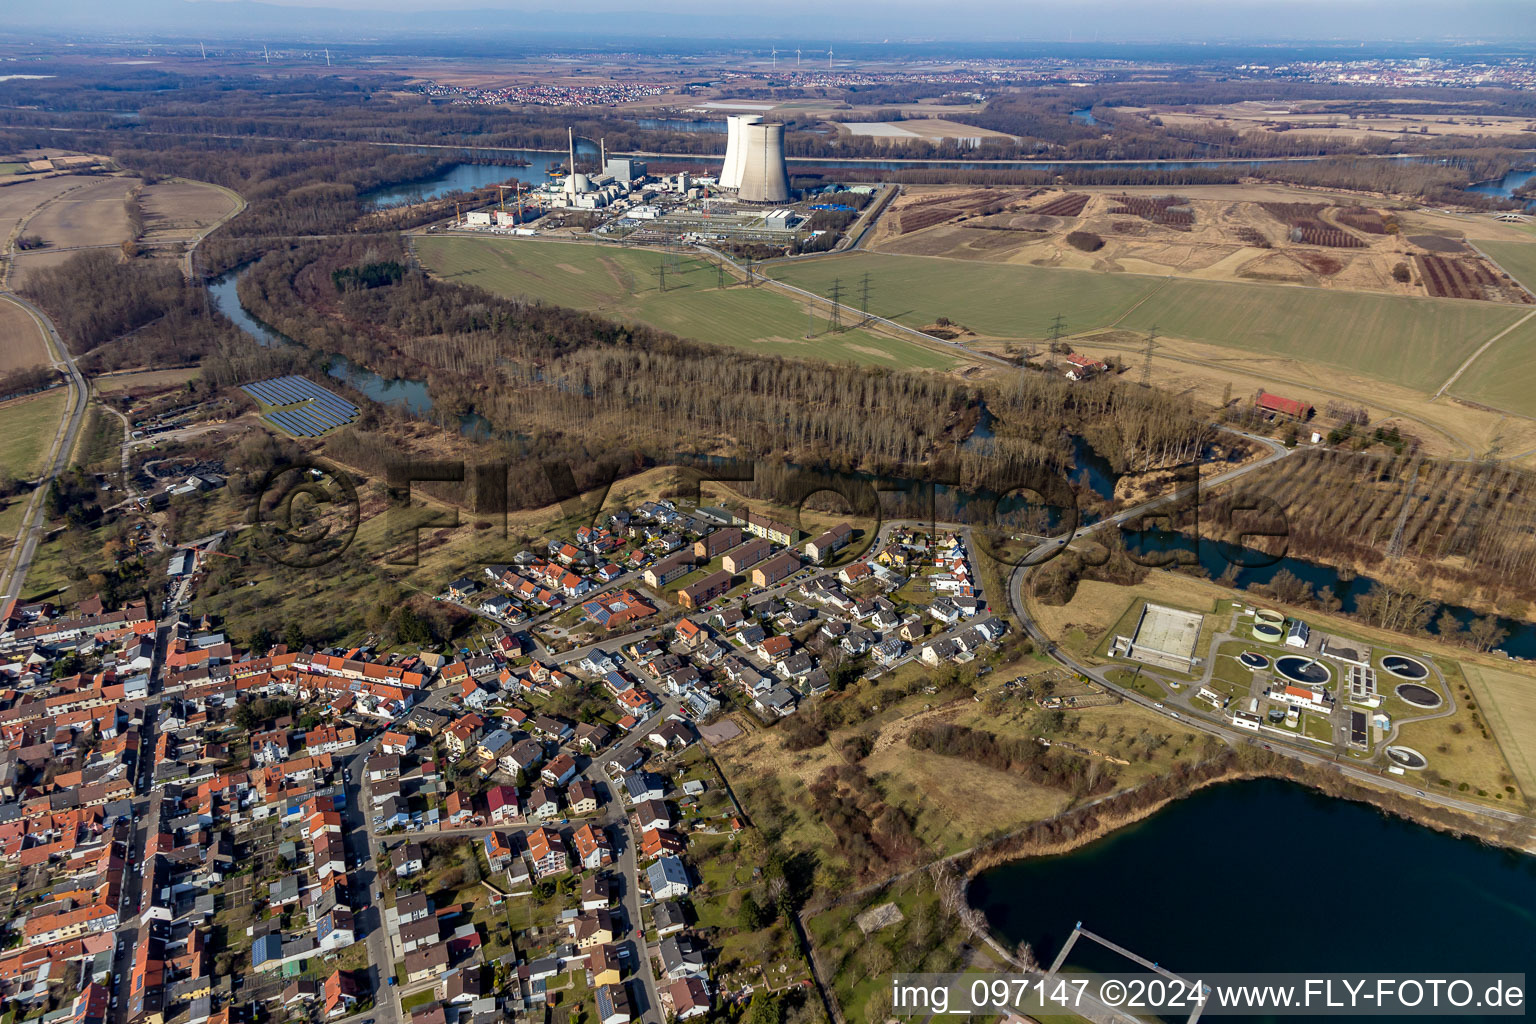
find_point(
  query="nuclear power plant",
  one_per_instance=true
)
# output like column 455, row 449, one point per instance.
column 735, row 148
column 575, row 183
column 749, row 205
column 754, row 160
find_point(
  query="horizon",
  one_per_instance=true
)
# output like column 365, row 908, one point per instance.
column 982, row 23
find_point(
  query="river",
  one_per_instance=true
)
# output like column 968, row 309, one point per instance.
column 1259, row 567
column 468, row 176
column 1271, row 876
column 409, row 394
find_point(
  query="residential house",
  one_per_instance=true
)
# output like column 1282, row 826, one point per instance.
column 769, row 572
column 689, row 998
column 592, row 847
column 547, row 851
column 669, row 917
column 591, row 736
column 498, row 850
column 581, row 797
column 596, row 893
column 672, row 567
column 592, row 928
column 668, row 878
column 464, row 733
column 407, row 859
column 651, row 814
column 613, row 1005
column 503, row 805
column 661, row 842
column 696, row 595
column 428, row 962
column 681, row 958
column 717, row 543
column 543, row 803
column 559, row 771
column 819, row 549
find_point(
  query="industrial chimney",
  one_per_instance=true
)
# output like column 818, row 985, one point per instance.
column 764, row 175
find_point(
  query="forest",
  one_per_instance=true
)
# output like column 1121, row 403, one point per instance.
column 571, row 385
column 265, row 136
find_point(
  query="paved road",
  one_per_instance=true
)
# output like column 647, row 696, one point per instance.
column 33, row 520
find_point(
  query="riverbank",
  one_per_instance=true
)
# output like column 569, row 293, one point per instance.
column 1077, row 828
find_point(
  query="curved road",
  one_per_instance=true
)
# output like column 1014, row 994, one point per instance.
column 32, row 521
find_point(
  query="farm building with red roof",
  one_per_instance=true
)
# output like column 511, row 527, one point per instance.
column 1293, row 407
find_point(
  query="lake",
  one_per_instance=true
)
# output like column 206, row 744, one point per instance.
column 1270, row 876
column 504, row 165
column 1504, row 186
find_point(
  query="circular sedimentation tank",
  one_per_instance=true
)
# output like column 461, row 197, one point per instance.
column 1407, row 757
column 1253, row 660
column 1418, row 695
column 1404, row 667
column 1268, row 626
column 1302, row 670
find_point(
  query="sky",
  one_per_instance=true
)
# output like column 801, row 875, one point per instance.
column 852, row 20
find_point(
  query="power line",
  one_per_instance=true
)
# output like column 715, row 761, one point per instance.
column 864, row 297
column 1146, row 363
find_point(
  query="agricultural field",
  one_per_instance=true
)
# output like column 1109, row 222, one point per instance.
column 151, row 379
column 1500, row 377
column 1410, row 341
column 1508, row 703
column 1518, row 258
column 91, row 214
column 623, row 283
column 932, row 129
column 29, row 426
column 1311, row 120
column 24, row 345
column 181, row 210
column 1263, row 234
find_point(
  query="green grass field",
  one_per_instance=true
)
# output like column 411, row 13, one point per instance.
column 12, row 168
column 1411, row 341
column 1519, row 258
column 1501, row 377
column 28, row 426
column 623, row 284
column 100, row 444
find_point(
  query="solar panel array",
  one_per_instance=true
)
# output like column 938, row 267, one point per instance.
column 319, row 412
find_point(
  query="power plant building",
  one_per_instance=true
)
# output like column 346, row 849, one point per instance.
column 764, row 174
column 625, row 169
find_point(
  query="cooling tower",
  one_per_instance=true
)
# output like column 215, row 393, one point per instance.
column 764, row 176
column 735, row 148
